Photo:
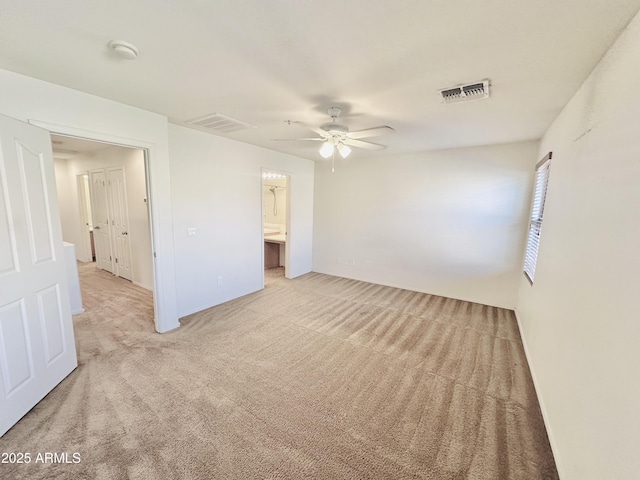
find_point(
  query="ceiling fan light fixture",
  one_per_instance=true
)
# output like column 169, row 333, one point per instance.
column 326, row 150
column 334, row 136
column 344, row 150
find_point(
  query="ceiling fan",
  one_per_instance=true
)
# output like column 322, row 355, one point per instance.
column 338, row 137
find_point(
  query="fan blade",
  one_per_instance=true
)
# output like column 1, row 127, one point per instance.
column 315, row 139
column 371, row 132
column 317, row 130
column 363, row 144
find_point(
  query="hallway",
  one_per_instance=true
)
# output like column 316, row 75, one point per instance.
column 115, row 311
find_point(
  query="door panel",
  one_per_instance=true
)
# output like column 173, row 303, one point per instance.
column 36, row 202
column 100, row 213
column 120, row 222
column 37, row 347
column 8, row 254
column 16, row 362
column 51, row 322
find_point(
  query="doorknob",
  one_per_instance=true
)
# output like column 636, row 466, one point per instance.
column 96, row 228
column 125, row 233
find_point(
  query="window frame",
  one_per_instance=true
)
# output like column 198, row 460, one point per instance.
column 534, row 231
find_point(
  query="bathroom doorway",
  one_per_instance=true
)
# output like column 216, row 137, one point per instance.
column 275, row 222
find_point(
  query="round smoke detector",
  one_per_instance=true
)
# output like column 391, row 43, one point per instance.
column 123, row 49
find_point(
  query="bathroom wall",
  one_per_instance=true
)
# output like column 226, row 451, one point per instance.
column 279, row 215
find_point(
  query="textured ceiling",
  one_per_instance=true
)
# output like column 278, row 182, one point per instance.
column 265, row 62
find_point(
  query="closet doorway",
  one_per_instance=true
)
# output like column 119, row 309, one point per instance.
column 110, row 213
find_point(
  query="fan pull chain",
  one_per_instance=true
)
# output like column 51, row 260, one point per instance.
column 333, row 161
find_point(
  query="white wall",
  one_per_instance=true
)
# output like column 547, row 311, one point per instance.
column 70, row 214
column 69, row 111
column 449, row 223
column 217, row 189
column 139, row 229
column 66, row 202
column 580, row 320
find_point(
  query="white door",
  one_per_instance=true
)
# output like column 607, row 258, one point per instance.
column 119, row 214
column 100, row 214
column 37, row 346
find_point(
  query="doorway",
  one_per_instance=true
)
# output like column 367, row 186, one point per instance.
column 275, row 222
column 104, row 203
column 86, row 251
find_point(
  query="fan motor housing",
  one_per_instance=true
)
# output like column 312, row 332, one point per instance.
column 334, row 128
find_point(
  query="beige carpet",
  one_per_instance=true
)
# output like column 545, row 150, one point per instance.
column 317, row 377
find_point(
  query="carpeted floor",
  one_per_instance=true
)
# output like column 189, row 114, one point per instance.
column 318, row 377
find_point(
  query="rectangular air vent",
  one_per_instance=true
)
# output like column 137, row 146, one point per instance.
column 465, row 93
column 220, row 123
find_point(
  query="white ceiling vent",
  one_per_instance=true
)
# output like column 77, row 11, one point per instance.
column 465, row 93
column 220, row 123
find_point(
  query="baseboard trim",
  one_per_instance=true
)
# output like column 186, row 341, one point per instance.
column 545, row 416
column 509, row 306
column 142, row 286
column 215, row 303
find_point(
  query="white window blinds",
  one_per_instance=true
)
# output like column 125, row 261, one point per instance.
column 535, row 222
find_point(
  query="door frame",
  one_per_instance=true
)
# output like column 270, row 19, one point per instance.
column 82, row 199
column 148, row 150
column 287, row 244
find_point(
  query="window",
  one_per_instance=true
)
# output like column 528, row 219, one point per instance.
column 535, row 222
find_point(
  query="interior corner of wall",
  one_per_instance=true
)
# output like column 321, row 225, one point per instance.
column 543, row 409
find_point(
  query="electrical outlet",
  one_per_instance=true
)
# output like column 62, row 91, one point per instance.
column 219, row 279
column 191, row 232
column 352, row 261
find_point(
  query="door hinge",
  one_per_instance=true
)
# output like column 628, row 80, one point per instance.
column 116, row 260
column 110, row 259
